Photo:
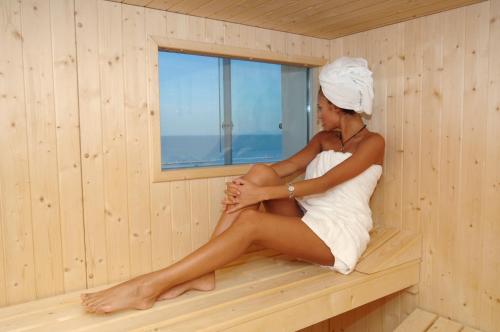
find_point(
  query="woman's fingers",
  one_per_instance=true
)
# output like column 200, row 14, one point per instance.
column 232, row 191
column 229, row 201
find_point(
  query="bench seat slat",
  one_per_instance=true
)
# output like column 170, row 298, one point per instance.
column 378, row 236
column 418, row 321
column 337, row 293
column 403, row 247
column 260, row 290
column 445, row 325
column 243, row 281
column 20, row 310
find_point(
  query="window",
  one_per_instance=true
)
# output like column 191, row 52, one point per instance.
column 217, row 111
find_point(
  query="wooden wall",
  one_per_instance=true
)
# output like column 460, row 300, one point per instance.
column 437, row 102
column 77, row 207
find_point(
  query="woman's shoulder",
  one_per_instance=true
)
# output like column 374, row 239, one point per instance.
column 373, row 138
column 329, row 139
column 373, row 143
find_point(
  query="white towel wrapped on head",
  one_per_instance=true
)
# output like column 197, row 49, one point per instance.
column 347, row 83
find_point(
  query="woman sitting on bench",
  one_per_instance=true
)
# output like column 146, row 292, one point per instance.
column 324, row 219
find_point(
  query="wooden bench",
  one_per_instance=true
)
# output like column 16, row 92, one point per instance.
column 261, row 291
column 420, row 321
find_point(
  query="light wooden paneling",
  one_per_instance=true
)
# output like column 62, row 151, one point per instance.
column 137, row 133
column 42, row 147
column 449, row 180
column 319, row 18
column 89, row 96
column 437, row 101
column 17, row 232
column 68, row 143
column 489, row 290
column 113, row 141
column 77, row 207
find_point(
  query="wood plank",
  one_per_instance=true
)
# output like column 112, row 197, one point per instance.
column 186, row 6
column 445, row 325
column 214, row 31
column 177, row 26
column 379, row 15
column 307, row 302
column 412, row 103
column 432, row 106
column 237, row 52
column 114, row 161
column 419, row 321
column 136, row 2
column 469, row 222
column 161, row 209
column 42, row 147
column 17, row 249
column 211, row 8
column 403, row 247
column 297, row 13
column 162, row 4
column 378, row 236
column 196, row 28
column 181, row 214
column 449, row 166
column 216, row 187
column 161, row 225
column 377, row 41
column 87, row 41
column 233, row 285
column 199, row 207
column 3, row 294
column 68, row 143
column 490, row 187
column 393, row 163
column 223, row 276
column 137, row 138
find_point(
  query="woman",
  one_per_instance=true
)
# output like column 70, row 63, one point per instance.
column 341, row 174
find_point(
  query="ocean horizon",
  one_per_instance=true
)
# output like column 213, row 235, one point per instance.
column 208, row 150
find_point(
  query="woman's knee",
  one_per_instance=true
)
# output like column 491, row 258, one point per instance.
column 247, row 220
column 262, row 174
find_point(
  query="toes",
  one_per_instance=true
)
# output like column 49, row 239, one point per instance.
column 106, row 309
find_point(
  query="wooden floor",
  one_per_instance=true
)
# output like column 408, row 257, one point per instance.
column 262, row 291
column 421, row 321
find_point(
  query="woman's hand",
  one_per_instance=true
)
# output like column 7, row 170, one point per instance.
column 231, row 194
column 245, row 193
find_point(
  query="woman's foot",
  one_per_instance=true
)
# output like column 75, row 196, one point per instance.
column 203, row 283
column 137, row 293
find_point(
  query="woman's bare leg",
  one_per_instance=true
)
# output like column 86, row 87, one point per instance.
column 284, row 234
column 259, row 174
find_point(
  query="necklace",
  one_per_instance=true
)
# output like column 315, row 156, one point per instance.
column 344, row 143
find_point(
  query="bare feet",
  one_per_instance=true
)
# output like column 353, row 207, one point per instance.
column 203, row 283
column 136, row 293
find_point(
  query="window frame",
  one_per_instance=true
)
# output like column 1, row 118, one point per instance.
column 156, row 43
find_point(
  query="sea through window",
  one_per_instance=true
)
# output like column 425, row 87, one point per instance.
column 218, row 111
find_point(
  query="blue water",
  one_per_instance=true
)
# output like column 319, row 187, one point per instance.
column 199, row 151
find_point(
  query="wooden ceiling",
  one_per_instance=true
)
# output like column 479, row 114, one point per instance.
column 326, row 19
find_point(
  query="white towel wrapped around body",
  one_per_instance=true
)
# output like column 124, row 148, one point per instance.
column 341, row 216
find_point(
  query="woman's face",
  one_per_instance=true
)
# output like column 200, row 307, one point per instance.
column 328, row 114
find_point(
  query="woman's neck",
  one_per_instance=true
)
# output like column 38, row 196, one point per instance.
column 349, row 125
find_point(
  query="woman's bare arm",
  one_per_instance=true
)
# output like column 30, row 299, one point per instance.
column 299, row 160
column 367, row 154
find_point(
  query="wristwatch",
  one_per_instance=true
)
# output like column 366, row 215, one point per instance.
column 291, row 190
